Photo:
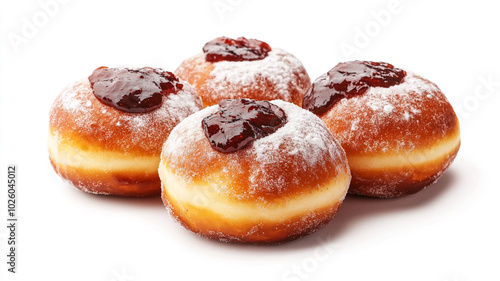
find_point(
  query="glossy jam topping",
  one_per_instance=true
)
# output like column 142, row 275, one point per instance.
column 349, row 79
column 241, row 49
column 133, row 90
column 240, row 121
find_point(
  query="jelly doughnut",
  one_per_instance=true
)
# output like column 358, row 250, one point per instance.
column 106, row 132
column 244, row 68
column 253, row 172
column 399, row 131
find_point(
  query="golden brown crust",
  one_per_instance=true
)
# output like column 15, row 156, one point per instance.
column 300, row 167
column 196, row 71
column 389, row 183
column 118, row 183
column 280, row 76
column 207, row 223
column 81, row 125
column 406, row 119
column 403, row 117
column 77, row 111
column 291, row 157
column 246, row 176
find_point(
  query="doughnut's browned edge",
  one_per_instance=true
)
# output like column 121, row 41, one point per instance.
column 124, row 184
column 374, row 183
column 238, row 232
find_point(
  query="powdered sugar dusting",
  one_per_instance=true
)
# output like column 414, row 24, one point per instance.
column 297, row 152
column 385, row 101
column 384, row 119
column 311, row 139
column 278, row 67
column 143, row 131
column 388, row 108
column 278, row 76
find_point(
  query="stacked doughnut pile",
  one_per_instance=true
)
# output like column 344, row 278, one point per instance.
column 243, row 147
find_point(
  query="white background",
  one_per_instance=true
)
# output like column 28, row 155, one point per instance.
column 448, row 232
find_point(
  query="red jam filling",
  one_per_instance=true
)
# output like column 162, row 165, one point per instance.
column 349, row 79
column 241, row 121
column 241, row 49
column 133, row 90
